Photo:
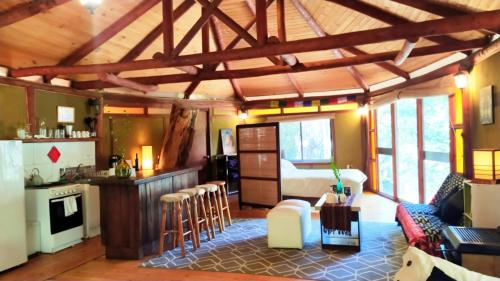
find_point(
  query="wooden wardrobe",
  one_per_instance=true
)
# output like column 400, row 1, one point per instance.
column 258, row 150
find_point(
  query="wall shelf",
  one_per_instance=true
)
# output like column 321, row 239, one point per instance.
column 59, row 140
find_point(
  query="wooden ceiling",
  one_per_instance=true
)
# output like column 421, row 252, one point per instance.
column 45, row 39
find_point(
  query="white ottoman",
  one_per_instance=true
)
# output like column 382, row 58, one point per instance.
column 284, row 227
column 306, row 212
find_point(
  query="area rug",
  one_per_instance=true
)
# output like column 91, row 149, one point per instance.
column 242, row 248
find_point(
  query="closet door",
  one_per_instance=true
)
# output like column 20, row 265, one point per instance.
column 259, row 164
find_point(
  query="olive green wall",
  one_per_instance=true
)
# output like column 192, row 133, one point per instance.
column 46, row 104
column 130, row 133
column 12, row 110
column 484, row 74
column 348, row 142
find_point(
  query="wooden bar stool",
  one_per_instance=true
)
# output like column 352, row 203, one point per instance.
column 179, row 202
column 212, row 206
column 198, row 211
column 224, row 205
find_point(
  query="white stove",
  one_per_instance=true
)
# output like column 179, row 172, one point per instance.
column 59, row 212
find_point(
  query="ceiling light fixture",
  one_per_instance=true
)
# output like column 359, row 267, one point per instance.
column 91, row 5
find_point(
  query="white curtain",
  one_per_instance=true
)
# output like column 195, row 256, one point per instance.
column 437, row 87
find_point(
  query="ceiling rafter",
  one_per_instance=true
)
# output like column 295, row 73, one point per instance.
column 440, row 9
column 385, row 65
column 293, row 81
column 107, row 33
column 279, row 69
column 387, row 17
column 313, row 24
column 488, row 19
column 168, row 26
column 219, row 43
column 27, row 10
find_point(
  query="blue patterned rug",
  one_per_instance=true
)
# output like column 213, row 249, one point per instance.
column 242, row 248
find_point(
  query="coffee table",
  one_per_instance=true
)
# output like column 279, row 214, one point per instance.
column 334, row 241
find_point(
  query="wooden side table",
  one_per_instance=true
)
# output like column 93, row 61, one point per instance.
column 353, row 241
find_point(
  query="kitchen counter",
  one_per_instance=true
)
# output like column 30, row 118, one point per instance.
column 131, row 209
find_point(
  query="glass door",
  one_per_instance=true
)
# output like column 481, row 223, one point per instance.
column 384, row 150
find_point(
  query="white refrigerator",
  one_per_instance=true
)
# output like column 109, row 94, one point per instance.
column 12, row 205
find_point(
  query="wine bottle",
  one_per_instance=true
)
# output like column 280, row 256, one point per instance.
column 136, row 166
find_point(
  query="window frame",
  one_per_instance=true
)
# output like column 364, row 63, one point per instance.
column 422, row 154
column 332, row 140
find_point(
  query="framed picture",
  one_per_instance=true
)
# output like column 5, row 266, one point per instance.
column 227, row 141
column 65, row 114
column 486, row 105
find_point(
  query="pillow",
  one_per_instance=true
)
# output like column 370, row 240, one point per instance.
column 450, row 184
column 287, row 166
column 451, row 209
column 420, row 266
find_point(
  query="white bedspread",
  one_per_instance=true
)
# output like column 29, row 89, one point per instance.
column 314, row 183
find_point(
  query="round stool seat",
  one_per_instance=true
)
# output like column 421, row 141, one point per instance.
column 201, row 191
column 174, row 197
column 189, row 191
column 217, row 182
column 208, row 187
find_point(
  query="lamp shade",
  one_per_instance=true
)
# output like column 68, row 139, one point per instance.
column 486, row 165
column 147, row 157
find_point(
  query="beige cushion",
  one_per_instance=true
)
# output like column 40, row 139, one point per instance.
column 217, row 182
column 174, row 197
column 208, row 187
column 189, row 191
column 201, row 191
column 306, row 212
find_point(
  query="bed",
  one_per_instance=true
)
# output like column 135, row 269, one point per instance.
column 313, row 183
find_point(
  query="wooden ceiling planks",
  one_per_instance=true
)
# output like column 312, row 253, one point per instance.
column 73, row 30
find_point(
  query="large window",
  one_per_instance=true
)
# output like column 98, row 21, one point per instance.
column 413, row 136
column 306, row 140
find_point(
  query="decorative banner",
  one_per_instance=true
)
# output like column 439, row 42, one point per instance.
column 308, row 103
column 282, row 103
column 275, row 103
column 342, row 100
column 298, row 104
column 316, row 102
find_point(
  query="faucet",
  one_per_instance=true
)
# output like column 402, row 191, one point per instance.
column 76, row 175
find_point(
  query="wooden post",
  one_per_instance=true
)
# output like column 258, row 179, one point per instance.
column 467, row 137
column 261, row 16
column 280, row 16
column 168, row 27
column 179, row 139
column 101, row 162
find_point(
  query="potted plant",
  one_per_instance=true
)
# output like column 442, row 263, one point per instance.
column 339, row 187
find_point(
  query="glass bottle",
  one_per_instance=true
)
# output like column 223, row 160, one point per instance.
column 122, row 169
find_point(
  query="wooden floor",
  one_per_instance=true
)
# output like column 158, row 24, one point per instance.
column 86, row 261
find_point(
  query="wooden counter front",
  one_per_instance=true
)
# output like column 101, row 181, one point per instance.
column 131, row 210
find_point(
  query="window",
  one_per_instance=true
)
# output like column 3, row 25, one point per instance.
column 306, row 140
column 413, row 135
column 384, row 150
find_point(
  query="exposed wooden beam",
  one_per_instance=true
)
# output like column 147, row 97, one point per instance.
column 26, row 10
column 155, row 33
column 281, row 21
column 313, row 24
column 168, row 26
column 210, row 9
column 261, row 16
column 488, row 19
column 107, row 33
column 279, row 69
column 219, row 43
column 405, row 51
column 123, row 82
column 440, row 9
column 385, row 65
column 486, row 52
column 387, row 17
column 189, row 69
column 296, row 85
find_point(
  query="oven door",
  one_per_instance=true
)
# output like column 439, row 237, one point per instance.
column 59, row 222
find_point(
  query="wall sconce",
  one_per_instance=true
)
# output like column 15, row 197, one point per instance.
column 243, row 114
column 461, row 79
column 95, row 104
column 91, row 5
column 486, row 165
column 147, row 157
column 363, row 110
